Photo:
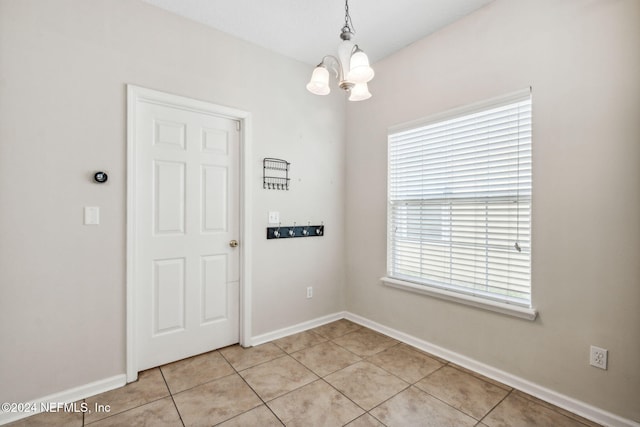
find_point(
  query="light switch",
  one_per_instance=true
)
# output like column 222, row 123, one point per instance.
column 91, row 215
column 274, row 217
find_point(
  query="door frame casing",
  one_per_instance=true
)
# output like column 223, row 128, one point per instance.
column 134, row 95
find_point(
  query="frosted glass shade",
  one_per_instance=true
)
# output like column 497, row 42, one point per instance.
column 360, row 71
column 319, row 83
column 360, row 92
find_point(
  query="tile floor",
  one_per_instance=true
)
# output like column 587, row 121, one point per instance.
column 334, row 375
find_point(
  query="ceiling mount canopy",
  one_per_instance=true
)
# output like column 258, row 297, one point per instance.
column 351, row 67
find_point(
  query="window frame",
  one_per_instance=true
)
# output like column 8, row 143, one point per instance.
column 448, row 292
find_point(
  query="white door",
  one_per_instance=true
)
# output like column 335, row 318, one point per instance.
column 186, row 272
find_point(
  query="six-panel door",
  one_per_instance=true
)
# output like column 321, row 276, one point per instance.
column 187, row 274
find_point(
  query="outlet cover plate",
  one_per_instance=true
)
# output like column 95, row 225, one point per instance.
column 598, row 357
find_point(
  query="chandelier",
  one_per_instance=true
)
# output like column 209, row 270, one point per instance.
column 351, row 66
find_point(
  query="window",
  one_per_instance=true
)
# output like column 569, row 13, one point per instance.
column 459, row 203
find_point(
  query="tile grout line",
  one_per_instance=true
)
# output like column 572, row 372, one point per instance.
column 412, row 384
column 252, row 389
column 362, row 359
column 319, row 378
column 511, row 391
column 496, row 405
column 275, row 342
column 498, row 384
column 258, row 364
column 550, row 408
column 409, row 384
column 447, row 363
column 128, row 409
column 444, row 363
column 290, row 391
column 204, row 383
column 171, row 394
column 346, row 397
column 453, row 407
column 344, row 348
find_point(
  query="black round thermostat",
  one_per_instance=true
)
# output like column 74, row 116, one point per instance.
column 100, row 177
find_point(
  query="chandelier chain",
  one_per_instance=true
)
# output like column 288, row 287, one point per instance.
column 348, row 23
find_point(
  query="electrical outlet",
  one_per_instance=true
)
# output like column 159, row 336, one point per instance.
column 598, row 357
column 309, row 292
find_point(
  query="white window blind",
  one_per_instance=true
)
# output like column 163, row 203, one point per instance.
column 459, row 201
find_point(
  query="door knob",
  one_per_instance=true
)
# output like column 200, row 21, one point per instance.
column 233, row 243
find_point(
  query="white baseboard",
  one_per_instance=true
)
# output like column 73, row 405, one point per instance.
column 583, row 409
column 67, row 396
column 300, row 327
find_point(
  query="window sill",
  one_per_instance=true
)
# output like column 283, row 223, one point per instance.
column 498, row 307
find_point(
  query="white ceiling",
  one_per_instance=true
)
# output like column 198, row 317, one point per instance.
column 309, row 29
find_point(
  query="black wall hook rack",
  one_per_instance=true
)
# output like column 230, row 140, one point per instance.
column 295, row 231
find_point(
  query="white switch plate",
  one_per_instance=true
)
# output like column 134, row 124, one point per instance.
column 91, row 215
column 274, row 217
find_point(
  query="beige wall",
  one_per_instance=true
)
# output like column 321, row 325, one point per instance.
column 63, row 69
column 582, row 58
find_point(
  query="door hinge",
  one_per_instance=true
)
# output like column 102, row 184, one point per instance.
column 238, row 125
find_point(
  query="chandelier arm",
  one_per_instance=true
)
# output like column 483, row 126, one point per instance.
column 332, row 63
